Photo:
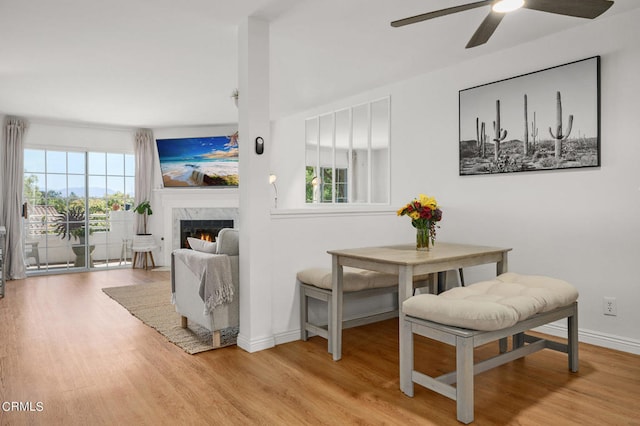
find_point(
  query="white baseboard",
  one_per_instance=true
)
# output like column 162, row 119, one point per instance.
column 287, row 337
column 255, row 345
column 585, row 336
column 595, row 338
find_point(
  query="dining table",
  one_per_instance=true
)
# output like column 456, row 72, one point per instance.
column 405, row 262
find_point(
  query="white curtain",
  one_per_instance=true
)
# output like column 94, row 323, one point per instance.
column 144, row 150
column 12, row 181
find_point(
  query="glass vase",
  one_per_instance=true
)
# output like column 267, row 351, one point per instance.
column 423, row 241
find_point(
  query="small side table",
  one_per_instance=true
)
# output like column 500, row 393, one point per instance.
column 144, row 244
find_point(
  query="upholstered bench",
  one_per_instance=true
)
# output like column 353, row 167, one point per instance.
column 467, row 317
column 357, row 283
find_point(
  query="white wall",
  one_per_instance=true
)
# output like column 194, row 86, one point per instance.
column 72, row 136
column 578, row 225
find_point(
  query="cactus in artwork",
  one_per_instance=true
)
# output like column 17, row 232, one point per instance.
column 481, row 138
column 500, row 133
column 560, row 136
column 534, row 131
column 526, row 128
column 478, row 141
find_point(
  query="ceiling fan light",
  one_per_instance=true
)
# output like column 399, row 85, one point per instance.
column 505, row 6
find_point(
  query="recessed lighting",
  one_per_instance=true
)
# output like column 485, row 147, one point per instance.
column 505, row 6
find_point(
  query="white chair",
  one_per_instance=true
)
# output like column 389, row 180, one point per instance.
column 144, row 244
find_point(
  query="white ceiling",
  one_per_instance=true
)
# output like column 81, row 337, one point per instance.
column 162, row 63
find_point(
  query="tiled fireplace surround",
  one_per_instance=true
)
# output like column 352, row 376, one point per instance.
column 199, row 213
column 193, row 205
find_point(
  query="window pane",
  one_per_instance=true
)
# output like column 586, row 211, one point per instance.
column 341, row 186
column 115, row 164
column 326, row 140
column 98, row 186
column 129, row 189
column 343, row 139
column 129, row 165
column 34, row 160
column 56, row 183
column 76, row 187
column 360, row 155
column 76, row 162
column 97, row 163
column 379, row 159
column 311, row 184
column 56, row 162
column 33, row 187
column 115, row 184
column 326, row 185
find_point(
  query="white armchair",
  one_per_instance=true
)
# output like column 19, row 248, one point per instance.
column 223, row 320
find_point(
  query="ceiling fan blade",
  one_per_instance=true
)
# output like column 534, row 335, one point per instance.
column 579, row 8
column 486, row 29
column 438, row 13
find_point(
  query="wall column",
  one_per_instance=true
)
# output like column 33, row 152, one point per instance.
column 256, row 332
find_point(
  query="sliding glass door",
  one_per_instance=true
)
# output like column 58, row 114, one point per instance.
column 78, row 209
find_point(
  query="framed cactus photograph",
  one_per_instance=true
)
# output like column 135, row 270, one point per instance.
column 543, row 120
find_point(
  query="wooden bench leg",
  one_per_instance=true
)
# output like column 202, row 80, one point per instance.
column 329, row 317
column 572, row 343
column 464, row 379
column 518, row 340
column 503, row 345
column 304, row 313
column 406, row 357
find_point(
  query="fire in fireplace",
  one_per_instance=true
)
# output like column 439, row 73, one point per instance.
column 203, row 229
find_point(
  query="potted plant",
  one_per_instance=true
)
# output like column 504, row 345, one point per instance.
column 72, row 224
column 144, row 208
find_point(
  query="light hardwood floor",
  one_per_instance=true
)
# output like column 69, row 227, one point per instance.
column 68, row 346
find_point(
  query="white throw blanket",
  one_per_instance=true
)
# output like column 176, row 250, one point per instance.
column 214, row 274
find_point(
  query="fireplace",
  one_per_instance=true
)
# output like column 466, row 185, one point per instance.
column 203, row 229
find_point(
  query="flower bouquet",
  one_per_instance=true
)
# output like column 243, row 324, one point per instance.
column 424, row 213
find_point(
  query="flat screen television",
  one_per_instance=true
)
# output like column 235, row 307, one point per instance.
column 191, row 162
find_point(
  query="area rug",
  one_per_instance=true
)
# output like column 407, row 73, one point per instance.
column 151, row 304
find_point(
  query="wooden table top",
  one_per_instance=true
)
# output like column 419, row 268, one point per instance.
column 406, row 254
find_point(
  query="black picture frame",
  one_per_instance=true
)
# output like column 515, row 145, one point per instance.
column 547, row 120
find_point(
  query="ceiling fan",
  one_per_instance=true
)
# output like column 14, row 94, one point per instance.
column 579, row 8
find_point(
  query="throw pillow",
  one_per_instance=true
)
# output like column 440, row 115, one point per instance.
column 201, row 245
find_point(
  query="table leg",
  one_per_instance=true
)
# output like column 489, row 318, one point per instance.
column 335, row 325
column 442, row 281
column 405, row 291
column 503, row 265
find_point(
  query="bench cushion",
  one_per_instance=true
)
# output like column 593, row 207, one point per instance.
column 353, row 279
column 495, row 304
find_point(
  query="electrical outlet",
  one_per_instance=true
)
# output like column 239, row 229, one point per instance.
column 609, row 306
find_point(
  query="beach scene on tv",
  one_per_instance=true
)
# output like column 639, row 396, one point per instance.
column 206, row 161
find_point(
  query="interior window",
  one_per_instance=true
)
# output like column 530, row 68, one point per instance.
column 347, row 155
